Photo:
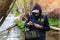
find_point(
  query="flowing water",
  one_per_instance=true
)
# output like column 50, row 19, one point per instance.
column 13, row 33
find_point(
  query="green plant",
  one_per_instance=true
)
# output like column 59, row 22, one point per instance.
column 53, row 22
column 20, row 24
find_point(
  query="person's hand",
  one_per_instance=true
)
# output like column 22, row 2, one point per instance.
column 29, row 23
column 38, row 26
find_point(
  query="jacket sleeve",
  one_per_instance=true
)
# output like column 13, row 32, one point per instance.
column 27, row 22
column 46, row 24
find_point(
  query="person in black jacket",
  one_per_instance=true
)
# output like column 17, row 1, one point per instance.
column 40, row 22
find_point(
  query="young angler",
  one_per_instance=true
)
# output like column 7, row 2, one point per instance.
column 38, row 21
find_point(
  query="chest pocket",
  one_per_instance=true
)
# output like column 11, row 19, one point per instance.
column 41, row 21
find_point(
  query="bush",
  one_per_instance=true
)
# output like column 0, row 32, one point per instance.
column 55, row 13
column 20, row 24
column 53, row 22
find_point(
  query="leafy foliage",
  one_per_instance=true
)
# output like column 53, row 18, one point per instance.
column 53, row 22
column 20, row 24
column 55, row 13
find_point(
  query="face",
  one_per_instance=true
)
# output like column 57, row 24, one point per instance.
column 36, row 14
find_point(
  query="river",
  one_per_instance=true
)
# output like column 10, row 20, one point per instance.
column 13, row 33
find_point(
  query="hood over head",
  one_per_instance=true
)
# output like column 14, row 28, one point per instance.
column 36, row 8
